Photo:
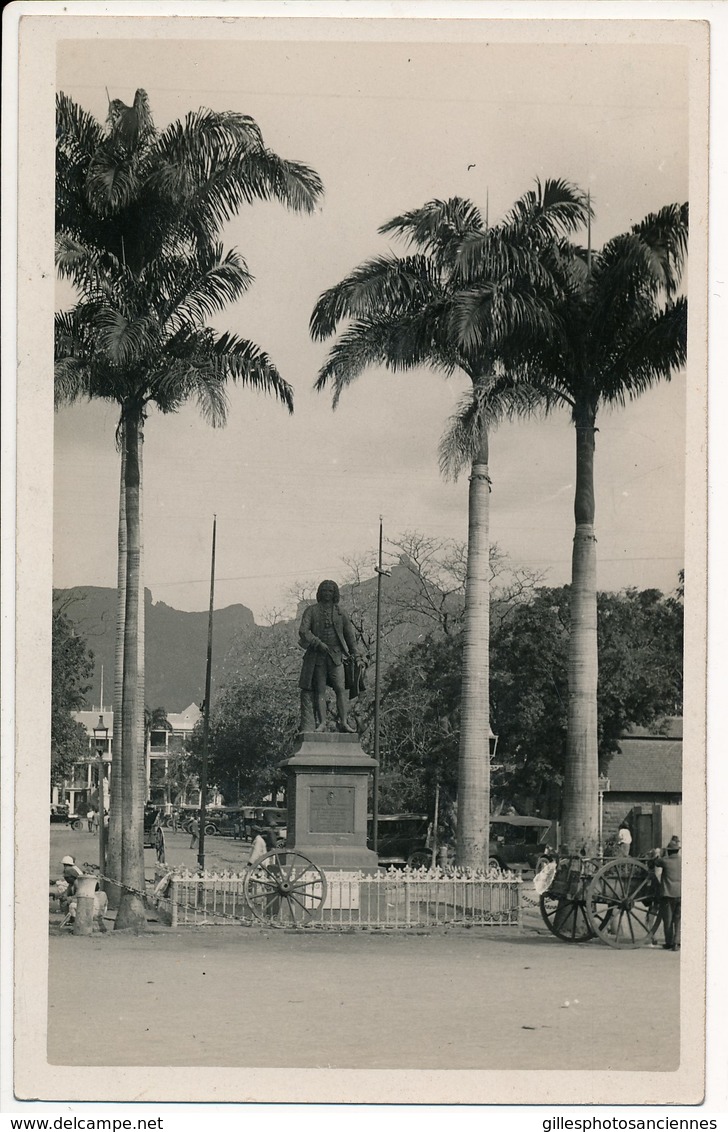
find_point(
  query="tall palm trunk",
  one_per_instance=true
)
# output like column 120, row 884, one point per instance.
column 141, row 631
column 131, row 907
column 474, row 760
column 116, row 783
column 581, row 784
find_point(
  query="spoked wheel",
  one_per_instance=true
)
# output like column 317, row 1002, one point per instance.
column 622, row 902
column 284, row 888
column 566, row 917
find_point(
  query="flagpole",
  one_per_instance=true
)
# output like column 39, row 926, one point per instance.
column 375, row 784
column 206, row 712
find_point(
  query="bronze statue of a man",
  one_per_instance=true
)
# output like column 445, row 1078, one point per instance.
column 328, row 637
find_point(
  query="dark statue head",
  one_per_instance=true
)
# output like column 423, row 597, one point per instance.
column 328, row 587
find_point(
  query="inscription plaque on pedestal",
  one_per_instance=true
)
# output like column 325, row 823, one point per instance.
column 327, row 778
column 331, row 809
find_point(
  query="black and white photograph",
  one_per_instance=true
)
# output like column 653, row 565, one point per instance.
column 361, row 552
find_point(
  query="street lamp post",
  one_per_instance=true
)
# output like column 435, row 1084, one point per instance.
column 101, row 733
column 603, row 788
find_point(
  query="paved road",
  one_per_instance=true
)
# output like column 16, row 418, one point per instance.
column 478, row 998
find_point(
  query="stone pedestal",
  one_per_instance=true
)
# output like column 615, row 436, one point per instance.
column 327, row 783
column 85, row 889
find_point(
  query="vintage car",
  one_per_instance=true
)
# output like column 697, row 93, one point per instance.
column 61, row 815
column 401, row 839
column 265, row 817
column 517, row 841
column 185, row 814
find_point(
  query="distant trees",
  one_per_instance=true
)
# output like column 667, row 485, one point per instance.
column 253, row 726
column 640, row 638
column 71, row 670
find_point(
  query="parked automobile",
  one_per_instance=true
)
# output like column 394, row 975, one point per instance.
column 61, row 814
column 401, row 839
column 518, row 841
column 222, row 820
column 263, row 817
column 187, row 813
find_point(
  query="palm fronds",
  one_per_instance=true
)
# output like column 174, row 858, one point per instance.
column 437, row 228
column 553, row 209
column 504, row 395
column 383, row 283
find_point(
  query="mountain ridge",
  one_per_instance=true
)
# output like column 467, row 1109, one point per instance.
column 176, row 640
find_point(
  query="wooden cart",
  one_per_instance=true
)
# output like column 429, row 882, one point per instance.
column 616, row 900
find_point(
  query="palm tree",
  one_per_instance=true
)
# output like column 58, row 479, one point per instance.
column 624, row 329
column 619, row 326
column 422, row 310
column 137, row 217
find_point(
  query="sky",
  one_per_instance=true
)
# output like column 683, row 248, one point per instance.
column 387, row 126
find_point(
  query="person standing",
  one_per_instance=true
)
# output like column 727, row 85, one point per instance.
column 670, row 892
column 624, row 840
column 258, row 849
column 90, row 819
column 195, row 831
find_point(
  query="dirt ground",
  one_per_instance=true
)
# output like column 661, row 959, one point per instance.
column 457, row 998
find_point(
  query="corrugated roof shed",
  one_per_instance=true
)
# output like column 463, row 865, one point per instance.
column 671, row 727
column 650, row 765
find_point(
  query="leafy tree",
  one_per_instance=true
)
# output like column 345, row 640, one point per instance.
column 71, row 670
column 640, row 643
column 417, row 310
column 640, row 637
column 640, row 640
column 420, row 724
column 253, row 726
column 138, row 215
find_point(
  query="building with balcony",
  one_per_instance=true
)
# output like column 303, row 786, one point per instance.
column 167, row 781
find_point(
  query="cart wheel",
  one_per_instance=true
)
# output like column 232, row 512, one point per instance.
column 76, row 824
column 159, row 845
column 622, row 899
column 284, row 888
column 210, row 828
column 421, row 858
column 566, row 917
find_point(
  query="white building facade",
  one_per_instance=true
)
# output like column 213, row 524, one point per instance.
column 167, row 779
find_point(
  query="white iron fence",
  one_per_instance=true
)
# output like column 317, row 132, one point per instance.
column 392, row 899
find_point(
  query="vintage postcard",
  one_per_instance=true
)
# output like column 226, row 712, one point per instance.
column 484, row 242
